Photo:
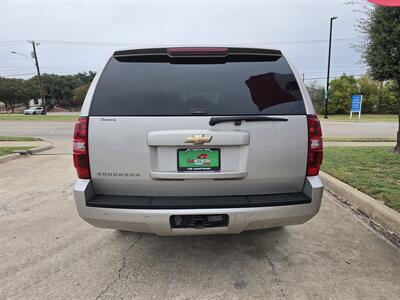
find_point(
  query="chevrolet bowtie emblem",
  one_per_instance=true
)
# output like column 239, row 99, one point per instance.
column 198, row 139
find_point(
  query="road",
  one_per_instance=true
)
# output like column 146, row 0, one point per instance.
column 48, row 252
column 359, row 129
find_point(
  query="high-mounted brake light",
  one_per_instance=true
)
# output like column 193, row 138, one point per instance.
column 197, row 51
column 315, row 147
column 80, row 148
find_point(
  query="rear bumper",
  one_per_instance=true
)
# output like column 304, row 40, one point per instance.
column 157, row 220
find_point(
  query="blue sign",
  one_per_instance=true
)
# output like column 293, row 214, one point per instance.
column 356, row 101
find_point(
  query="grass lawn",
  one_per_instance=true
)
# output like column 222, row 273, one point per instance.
column 372, row 170
column 18, row 139
column 10, row 150
column 364, row 118
column 21, row 117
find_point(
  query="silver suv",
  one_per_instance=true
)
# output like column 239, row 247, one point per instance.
column 197, row 141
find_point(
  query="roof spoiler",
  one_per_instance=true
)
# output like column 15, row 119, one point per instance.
column 197, row 52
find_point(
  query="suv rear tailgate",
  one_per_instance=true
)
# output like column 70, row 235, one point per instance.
column 149, row 109
column 138, row 156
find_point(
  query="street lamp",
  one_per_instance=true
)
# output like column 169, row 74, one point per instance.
column 15, row 52
column 38, row 72
column 329, row 68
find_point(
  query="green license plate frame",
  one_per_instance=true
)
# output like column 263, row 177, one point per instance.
column 198, row 159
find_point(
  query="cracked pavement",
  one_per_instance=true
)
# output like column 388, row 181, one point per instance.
column 48, row 252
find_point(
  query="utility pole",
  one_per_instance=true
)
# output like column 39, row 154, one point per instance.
column 39, row 77
column 329, row 68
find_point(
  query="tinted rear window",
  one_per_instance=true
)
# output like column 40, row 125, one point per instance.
column 165, row 87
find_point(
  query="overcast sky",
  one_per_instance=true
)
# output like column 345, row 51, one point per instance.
column 80, row 35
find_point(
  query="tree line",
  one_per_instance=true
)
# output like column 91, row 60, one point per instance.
column 379, row 97
column 64, row 89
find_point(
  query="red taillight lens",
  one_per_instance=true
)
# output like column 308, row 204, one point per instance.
column 80, row 148
column 315, row 147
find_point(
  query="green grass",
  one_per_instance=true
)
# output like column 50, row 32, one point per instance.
column 10, row 150
column 372, row 170
column 358, row 139
column 18, row 139
column 364, row 118
column 21, row 117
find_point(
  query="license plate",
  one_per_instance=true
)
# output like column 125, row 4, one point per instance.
column 199, row 159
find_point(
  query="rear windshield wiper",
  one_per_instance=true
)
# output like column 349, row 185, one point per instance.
column 238, row 120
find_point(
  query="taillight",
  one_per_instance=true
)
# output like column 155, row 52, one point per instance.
column 80, row 148
column 315, row 148
column 197, row 51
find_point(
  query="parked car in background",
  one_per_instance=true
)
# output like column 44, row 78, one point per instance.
column 197, row 141
column 34, row 110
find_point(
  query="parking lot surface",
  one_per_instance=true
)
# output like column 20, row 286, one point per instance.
column 48, row 252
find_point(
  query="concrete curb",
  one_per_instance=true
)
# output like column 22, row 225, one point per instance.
column 378, row 212
column 35, row 150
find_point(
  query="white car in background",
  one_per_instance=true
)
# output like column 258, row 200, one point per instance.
column 34, row 110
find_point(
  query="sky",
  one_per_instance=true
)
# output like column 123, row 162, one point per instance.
column 77, row 36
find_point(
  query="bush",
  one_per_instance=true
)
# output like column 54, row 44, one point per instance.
column 378, row 97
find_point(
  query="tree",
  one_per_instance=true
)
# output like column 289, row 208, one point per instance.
column 61, row 88
column 317, row 96
column 30, row 91
column 381, row 51
column 7, row 90
column 371, row 91
column 13, row 91
column 86, row 77
column 389, row 98
column 341, row 90
column 80, row 92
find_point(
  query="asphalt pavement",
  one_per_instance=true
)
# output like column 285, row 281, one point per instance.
column 359, row 129
column 48, row 252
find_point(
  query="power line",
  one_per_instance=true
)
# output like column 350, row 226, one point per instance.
column 20, row 74
column 334, row 77
column 334, row 71
column 335, row 67
column 16, row 69
column 71, row 43
column 12, row 42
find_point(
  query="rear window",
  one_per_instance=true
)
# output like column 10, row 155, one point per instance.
column 161, row 86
